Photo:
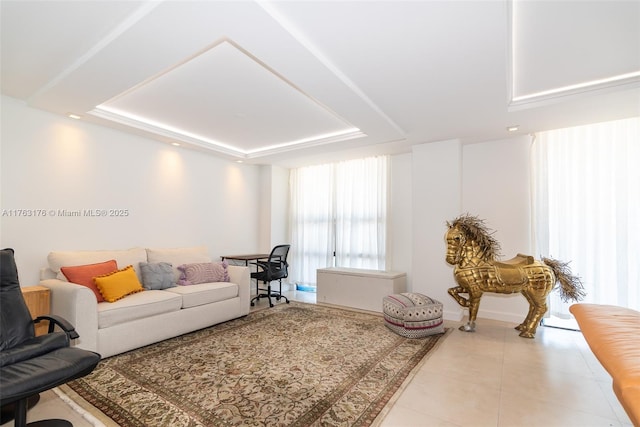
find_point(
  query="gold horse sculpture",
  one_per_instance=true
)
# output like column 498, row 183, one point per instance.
column 472, row 249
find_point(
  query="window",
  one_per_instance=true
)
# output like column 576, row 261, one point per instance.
column 586, row 208
column 338, row 216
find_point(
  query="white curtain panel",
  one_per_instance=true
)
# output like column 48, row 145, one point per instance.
column 338, row 208
column 361, row 213
column 311, row 221
column 586, row 201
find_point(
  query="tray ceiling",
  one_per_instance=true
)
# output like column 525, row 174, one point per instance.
column 291, row 82
column 242, row 107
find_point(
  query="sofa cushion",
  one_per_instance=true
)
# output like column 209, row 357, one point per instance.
column 119, row 284
column 123, row 258
column 156, row 275
column 84, row 274
column 203, row 272
column 205, row 293
column 137, row 306
column 178, row 256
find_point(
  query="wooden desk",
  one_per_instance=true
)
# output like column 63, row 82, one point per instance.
column 245, row 258
column 38, row 302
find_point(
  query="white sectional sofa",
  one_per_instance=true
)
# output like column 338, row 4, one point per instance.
column 146, row 317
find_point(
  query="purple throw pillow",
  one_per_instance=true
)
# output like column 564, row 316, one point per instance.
column 204, row 272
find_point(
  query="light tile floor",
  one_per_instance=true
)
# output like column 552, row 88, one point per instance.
column 488, row 378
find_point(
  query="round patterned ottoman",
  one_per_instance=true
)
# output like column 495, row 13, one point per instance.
column 413, row 315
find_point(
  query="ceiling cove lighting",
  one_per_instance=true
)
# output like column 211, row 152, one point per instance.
column 138, row 122
column 622, row 78
column 325, row 138
column 159, row 128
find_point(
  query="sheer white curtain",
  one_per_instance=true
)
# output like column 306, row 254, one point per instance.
column 361, row 213
column 341, row 209
column 311, row 221
column 587, row 208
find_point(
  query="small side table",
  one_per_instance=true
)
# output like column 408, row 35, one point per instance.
column 38, row 301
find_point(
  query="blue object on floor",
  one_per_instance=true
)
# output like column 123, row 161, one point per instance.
column 305, row 288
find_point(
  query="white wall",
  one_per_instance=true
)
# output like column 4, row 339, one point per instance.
column 274, row 207
column 264, row 208
column 174, row 196
column 436, row 198
column 496, row 188
column 279, row 206
column 400, row 237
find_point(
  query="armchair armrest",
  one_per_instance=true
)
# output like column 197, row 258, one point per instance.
column 33, row 347
column 63, row 323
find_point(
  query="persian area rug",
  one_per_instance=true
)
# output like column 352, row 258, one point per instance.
column 290, row 365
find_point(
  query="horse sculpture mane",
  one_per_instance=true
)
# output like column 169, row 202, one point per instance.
column 473, row 251
column 475, row 229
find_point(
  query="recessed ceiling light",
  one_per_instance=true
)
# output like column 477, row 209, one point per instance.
column 74, row 116
column 239, row 161
column 513, row 128
column 175, row 144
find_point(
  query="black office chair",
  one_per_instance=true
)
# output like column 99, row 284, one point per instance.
column 32, row 364
column 275, row 268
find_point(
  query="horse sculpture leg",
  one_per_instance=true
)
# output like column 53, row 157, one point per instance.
column 537, row 308
column 455, row 293
column 523, row 326
column 473, row 302
column 474, row 305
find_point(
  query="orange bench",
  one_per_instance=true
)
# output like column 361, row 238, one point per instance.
column 613, row 334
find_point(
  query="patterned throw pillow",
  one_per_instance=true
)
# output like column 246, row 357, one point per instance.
column 84, row 274
column 205, row 272
column 118, row 284
column 158, row 275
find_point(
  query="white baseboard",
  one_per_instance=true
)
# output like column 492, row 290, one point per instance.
column 453, row 315
column 502, row 316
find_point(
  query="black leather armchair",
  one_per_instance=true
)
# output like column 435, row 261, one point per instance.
column 32, row 364
column 275, row 268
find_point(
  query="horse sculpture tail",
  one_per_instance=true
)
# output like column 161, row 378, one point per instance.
column 570, row 286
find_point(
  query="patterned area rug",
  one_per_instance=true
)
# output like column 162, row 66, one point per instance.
column 291, row 365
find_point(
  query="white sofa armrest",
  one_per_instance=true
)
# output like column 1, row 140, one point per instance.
column 241, row 276
column 79, row 306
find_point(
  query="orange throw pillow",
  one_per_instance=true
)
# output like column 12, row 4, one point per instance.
column 84, row 274
column 119, row 284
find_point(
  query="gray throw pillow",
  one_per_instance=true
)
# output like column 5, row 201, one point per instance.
column 157, row 275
